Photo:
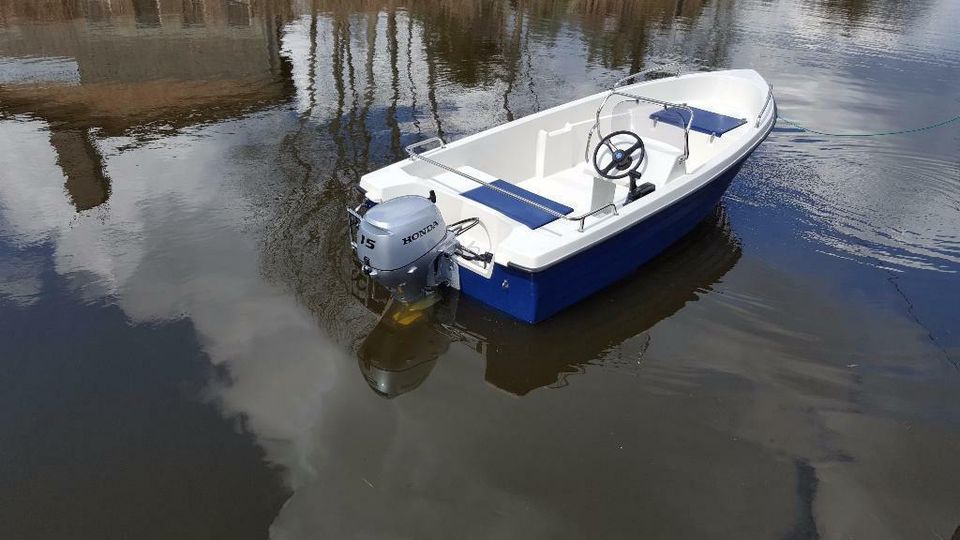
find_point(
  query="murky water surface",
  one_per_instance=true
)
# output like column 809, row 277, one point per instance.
column 187, row 350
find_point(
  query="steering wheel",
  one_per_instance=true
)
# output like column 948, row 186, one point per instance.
column 615, row 160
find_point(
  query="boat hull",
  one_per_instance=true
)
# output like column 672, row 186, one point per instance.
column 535, row 296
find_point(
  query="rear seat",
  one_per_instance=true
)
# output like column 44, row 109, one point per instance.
column 505, row 205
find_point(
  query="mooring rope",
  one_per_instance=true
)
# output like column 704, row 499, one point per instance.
column 901, row 132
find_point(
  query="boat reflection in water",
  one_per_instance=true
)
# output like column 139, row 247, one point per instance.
column 401, row 351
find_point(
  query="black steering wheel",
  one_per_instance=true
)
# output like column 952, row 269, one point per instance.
column 620, row 158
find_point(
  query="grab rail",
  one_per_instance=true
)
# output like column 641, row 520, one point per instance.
column 654, row 69
column 665, row 104
column 410, row 149
column 765, row 104
column 412, row 152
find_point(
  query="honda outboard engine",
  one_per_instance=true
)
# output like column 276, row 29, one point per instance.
column 404, row 244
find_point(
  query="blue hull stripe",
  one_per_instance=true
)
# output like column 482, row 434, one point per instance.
column 534, row 296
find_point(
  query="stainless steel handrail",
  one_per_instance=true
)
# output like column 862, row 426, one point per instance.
column 411, row 148
column 654, row 69
column 411, row 151
column 665, row 104
column 765, row 105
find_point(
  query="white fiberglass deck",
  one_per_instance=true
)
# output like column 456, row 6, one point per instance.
column 545, row 154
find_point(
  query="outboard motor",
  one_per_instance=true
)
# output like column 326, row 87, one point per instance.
column 404, row 244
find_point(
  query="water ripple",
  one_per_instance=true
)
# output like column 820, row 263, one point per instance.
column 881, row 204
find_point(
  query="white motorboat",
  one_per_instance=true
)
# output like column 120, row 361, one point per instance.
column 534, row 215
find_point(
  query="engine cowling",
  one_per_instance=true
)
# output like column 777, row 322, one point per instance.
column 399, row 242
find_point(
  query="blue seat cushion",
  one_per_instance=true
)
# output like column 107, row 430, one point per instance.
column 530, row 216
column 707, row 122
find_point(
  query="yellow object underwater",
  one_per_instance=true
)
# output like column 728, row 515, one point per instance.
column 407, row 314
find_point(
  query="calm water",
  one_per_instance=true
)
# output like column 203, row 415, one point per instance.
column 187, row 350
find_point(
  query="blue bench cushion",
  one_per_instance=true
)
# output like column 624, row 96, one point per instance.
column 707, row 122
column 530, row 216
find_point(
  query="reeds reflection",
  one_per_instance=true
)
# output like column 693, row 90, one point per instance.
column 478, row 40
